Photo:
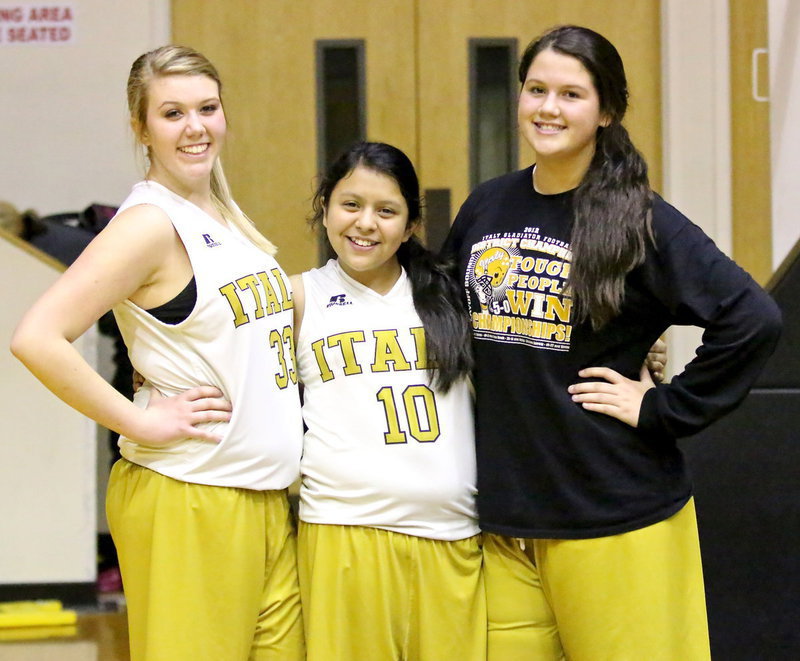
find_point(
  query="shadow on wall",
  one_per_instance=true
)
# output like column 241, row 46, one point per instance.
column 745, row 470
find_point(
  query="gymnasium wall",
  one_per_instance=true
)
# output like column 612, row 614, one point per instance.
column 63, row 127
column 784, row 100
column 65, row 144
column 47, row 456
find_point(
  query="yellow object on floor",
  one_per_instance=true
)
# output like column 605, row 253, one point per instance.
column 38, row 605
column 45, row 613
column 17, row 634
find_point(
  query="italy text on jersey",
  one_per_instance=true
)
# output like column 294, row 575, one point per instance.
column 517, row 283
column 257, row 296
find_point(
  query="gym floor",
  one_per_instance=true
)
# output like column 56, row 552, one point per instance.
column 100, row 635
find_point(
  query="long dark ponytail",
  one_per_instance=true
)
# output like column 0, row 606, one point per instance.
column 612, row 205
column 437, row 296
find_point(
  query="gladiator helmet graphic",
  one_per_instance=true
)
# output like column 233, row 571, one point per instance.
column 490, row 272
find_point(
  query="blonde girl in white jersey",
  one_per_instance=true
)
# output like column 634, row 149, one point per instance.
column 197, row 506
column 389, row 549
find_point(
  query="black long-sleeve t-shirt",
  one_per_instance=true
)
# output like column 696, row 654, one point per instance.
column 546, row 466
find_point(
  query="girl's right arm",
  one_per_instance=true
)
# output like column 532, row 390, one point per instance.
column 123, row 261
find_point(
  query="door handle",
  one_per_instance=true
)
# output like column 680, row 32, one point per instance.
column 754, row 71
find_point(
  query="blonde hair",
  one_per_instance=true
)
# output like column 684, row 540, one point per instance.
column 182, row 61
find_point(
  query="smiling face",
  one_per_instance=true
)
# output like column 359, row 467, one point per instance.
column 366, row 219
column 184, row 131
column 559, row 112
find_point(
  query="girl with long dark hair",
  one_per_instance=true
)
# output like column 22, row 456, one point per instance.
column 572, row 267
column 389, row 547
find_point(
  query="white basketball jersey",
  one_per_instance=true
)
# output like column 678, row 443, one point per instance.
column 238, row 338
column 383, row 449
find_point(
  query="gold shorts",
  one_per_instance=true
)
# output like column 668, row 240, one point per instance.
column 209, row 572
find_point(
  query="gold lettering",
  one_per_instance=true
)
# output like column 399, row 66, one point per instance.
column 239, row 315
column 418, row 333
column 558, row 307
column 273, row 304
column 288, row 302
column 322, row 365
column 345, row 343
column 251, row 282
column 387, row 350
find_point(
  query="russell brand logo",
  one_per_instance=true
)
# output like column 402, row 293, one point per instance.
column 338, row 299
column 210, row 243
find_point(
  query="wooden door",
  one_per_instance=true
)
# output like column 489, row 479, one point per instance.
column 444, row 79
column 417, row 88
column 266, row 52
column 750, row 149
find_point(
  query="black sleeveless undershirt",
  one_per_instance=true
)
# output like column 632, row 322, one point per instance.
column 179, row 308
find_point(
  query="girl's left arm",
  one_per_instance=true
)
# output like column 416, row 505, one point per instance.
column 698, row 285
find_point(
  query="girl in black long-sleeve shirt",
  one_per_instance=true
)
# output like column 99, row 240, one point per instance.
column 572, row 268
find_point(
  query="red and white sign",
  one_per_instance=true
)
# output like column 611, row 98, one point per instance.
column 32, row 25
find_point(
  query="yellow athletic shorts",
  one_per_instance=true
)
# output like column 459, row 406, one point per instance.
column 371, row 594
column 209, row 572
column 637, row 596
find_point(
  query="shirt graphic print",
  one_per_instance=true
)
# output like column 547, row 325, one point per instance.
column 518, row 286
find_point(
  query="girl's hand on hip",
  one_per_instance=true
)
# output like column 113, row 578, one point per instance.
column 617, row 396
column 171, row 419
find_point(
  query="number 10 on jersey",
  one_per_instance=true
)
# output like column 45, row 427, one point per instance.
column 417, row 407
